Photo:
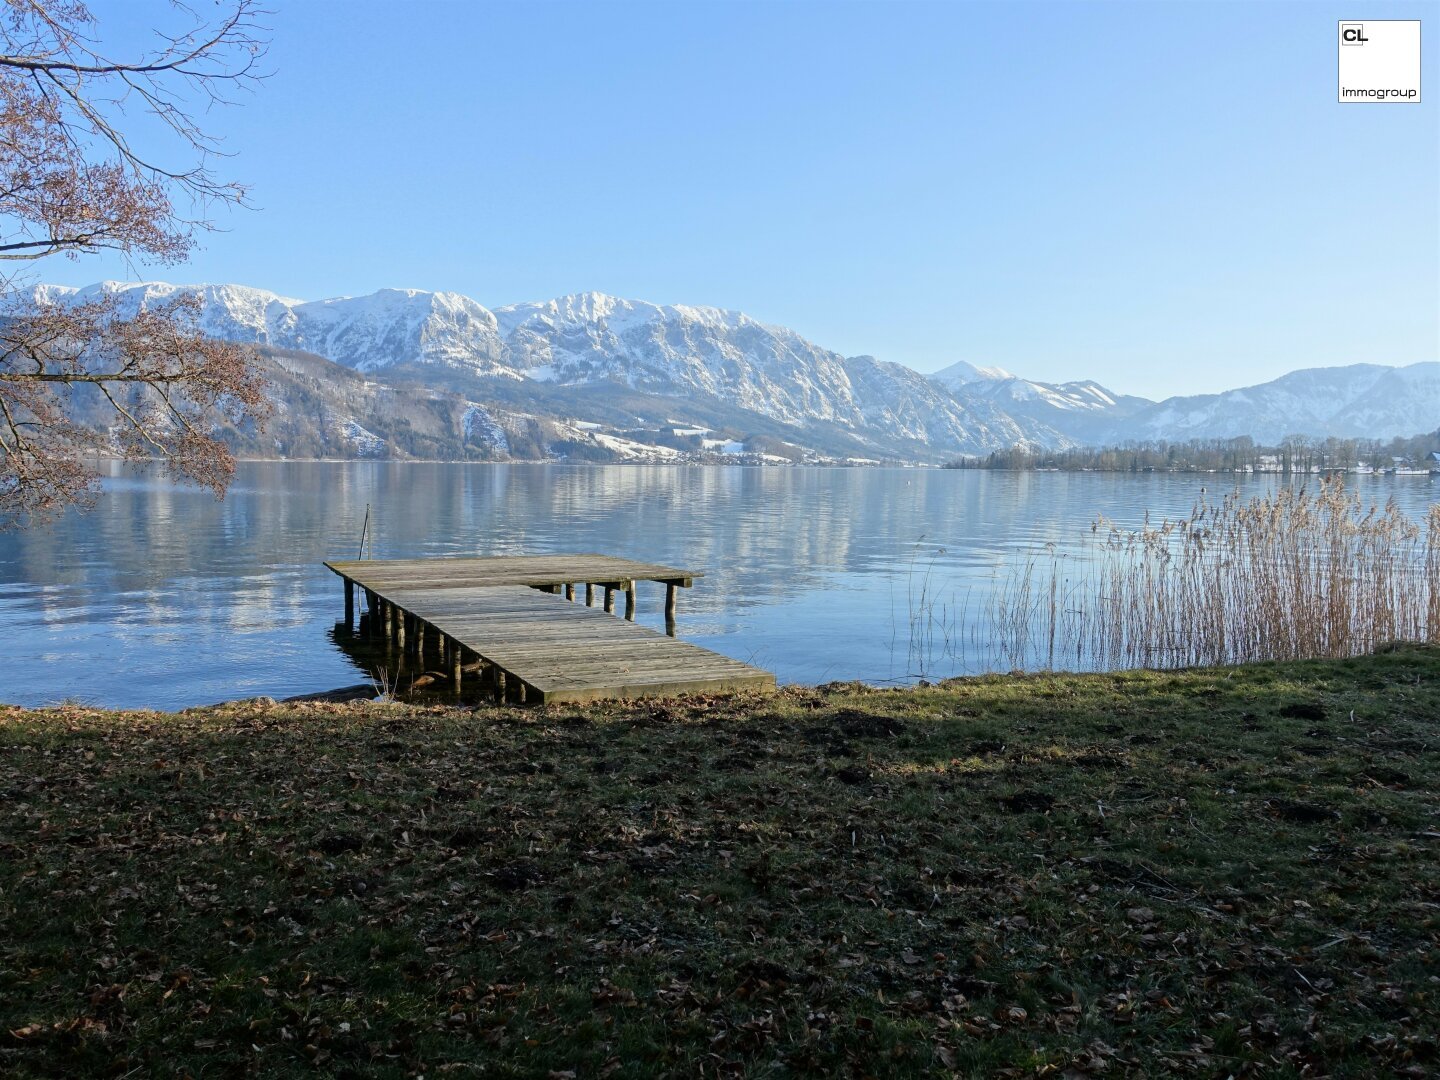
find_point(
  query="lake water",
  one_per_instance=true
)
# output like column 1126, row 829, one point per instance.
column 163, row 597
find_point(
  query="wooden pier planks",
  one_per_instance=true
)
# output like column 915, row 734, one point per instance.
column 558, row 650
column 533, row 570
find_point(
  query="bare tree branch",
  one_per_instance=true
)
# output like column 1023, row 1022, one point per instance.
column 73, row 182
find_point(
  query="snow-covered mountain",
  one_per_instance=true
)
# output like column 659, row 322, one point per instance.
column 570, row 352
column 590, row 338
column 392, row 326
column 963, row 373
column 1079, row 411
column 1358, row 401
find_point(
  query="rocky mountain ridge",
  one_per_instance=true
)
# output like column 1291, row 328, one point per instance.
column 577, row 357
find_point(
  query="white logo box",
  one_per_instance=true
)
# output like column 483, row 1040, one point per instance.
column 1379, row 60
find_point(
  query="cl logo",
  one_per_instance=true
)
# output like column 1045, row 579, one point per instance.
column 1352, row 34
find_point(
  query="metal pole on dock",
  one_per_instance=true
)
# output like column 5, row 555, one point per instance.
column 364, row 532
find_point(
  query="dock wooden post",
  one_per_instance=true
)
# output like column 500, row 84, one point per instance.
column 499, row 686
column 386, row 613
column 630, row 602
column 609, row 598
column 670, row 593
column 455, row 673
column 401, row 618
column 570, row 591
column 349, row 603
column 372, row 607
column 589, row 595
column 420, row 642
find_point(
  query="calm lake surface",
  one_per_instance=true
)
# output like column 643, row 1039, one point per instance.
column 163, row 597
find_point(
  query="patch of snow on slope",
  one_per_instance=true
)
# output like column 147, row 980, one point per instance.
column 366, row 443
column 480, row 427
column 629, row 449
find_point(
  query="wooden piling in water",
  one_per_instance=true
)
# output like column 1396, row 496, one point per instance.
column 570, row 591
column 609, row 598
column 349, row 604
column 670, row 593
column 630, row 603
column 455, row 673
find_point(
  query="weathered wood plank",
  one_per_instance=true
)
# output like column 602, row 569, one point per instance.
column 508, row 570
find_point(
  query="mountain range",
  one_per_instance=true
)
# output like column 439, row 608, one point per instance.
column 597, row 377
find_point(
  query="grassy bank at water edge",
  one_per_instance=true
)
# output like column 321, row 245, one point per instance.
column 1216, row 872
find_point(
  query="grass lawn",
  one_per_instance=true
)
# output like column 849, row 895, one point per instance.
column 1216, row 872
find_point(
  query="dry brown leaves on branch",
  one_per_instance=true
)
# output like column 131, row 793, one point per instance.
column 82, row 380
column 164, row 382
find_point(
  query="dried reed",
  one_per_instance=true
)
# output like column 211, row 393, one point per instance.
column 1290, row 575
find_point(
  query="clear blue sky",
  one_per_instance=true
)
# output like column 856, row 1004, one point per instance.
column 1163, row 196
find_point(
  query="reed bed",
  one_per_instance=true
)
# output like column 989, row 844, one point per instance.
column 1295, row 574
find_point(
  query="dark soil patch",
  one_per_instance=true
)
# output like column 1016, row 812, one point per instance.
column 740, row 761
column 339, row 843
column 864, row 725
column 517, row 875
column 1301, row 813
column 1027, row 801
column 1383, row 774
column 1099, row 759
column 852, row 774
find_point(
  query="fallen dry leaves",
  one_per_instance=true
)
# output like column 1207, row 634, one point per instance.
column 1050, row 876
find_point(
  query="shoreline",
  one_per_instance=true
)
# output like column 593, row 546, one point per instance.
column 897, row 465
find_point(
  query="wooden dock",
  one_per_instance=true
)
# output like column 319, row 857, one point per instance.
column 515, row 620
